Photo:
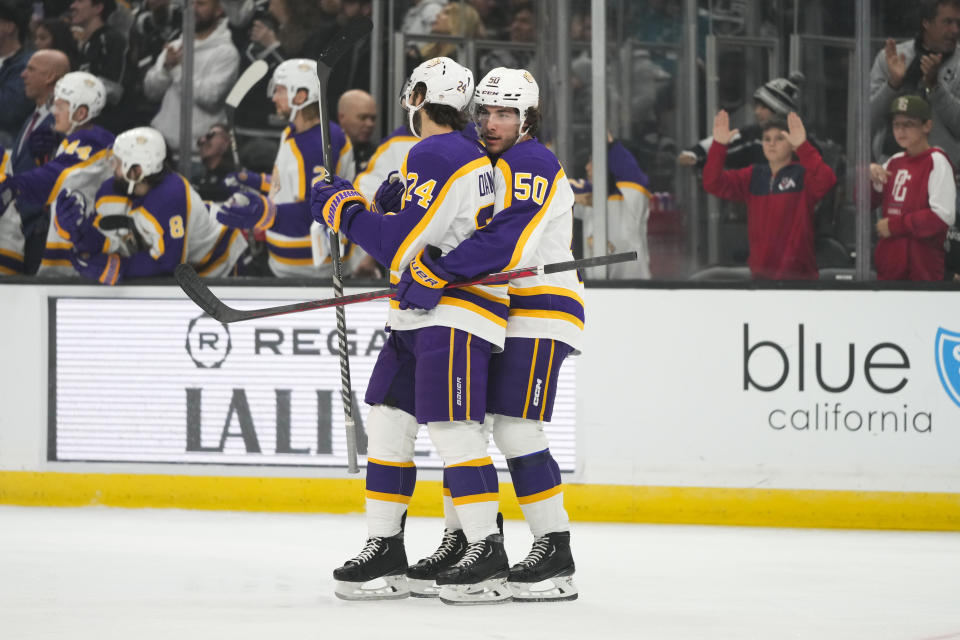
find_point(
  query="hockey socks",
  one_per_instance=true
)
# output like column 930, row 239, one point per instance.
column 536, row 480
column 389, row 489
column 475, row 494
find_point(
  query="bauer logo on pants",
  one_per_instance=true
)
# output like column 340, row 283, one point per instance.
column 948, row 362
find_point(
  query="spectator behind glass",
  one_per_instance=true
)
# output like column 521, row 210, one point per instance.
column 305, row 26
column 523, row 28
column 781, row 196
column 919, row 205
column 256, row 108
column 14, row 105
column 419, row 18
column 215, row 64
column 777, row 98
column 451, row 21
column 54, row 33
column 103, row 50
column 493, row 16
column 926, row 66
column 357, row 116
column 217, row 160
column 155, row 23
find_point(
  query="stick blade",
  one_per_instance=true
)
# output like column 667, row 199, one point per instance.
column 353, row 32
column 190, row 282
column 251, row 76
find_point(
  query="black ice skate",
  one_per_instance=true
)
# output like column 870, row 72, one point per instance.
column 549, row 562
column 422, row 576
column 383, row 560
column 480, row 575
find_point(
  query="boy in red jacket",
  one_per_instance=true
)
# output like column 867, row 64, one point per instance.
column 918, row 194
column 780, row 195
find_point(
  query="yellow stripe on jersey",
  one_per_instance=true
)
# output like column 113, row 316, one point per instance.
column 469, row 306
column 418, row 230
column 295, row 243
column 301, row 186
column 58, row 185
column 543, row 495
column 3, row 165
column 508, row 178
column 13, row 254
column 636, row 186
column 58, row 245
column 550, row 315
column 296, row 262
column 343, row 152
column 123, row 200
column 156, row 225
column 477, row 291
column 186, row 219
column 533, row 368
column 525, row 236
column 380, row 150
column 469, row 336
column 546, row 290
column 60, row 231
column 223, row 256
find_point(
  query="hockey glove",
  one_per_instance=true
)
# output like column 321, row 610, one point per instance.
column 421, row 285
column 105, row 268
column 389, row 196
column 256, row 181
column 248, row 211
column 334, row 203
column 42, row 143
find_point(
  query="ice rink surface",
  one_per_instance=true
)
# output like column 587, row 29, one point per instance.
column 100, row 573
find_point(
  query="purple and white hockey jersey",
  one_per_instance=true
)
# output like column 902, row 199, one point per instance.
column 532, row 224
column 11, row 235
column 299, row 161
column 172, row 224
column 388, row 157
column 82, row 163
column 449, row 188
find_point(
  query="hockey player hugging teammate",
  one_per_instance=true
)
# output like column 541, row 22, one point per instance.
column 531, row 223
column 433, row 368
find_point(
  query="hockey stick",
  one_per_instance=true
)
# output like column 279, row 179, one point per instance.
column 251, row 76
column 191, row 284
column 355, row 31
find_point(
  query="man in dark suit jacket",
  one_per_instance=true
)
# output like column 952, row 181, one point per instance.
column 13, row 59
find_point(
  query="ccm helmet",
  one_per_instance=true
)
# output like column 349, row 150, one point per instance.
column 81, row 89
column 296, row 74
column 503, row 87
column 143, row 146
column 446, row 83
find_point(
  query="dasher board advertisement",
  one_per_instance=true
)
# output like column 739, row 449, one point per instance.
column 156, row 380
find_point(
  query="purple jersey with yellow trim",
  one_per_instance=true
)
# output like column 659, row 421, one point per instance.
column 85, row 155
column 449, row 188
column 299, row 160
column 172, row 225
column 82, row 148
column 532, row 224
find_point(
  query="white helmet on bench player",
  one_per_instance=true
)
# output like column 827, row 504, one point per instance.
column 503, row 87
column 81, row 89
column 296, row 74
column 143, row 147
column 446, row 83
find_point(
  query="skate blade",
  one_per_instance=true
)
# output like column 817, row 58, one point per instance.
column 492, row 591
column 385, row 588
column 557, row 589
column 423, row 588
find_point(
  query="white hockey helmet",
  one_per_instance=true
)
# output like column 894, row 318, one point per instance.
column 143, row 146
column 446, row 82
column 296, row 74
column 81, row 89
column 503, row 87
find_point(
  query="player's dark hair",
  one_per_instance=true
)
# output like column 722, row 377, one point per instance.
column 441, row 114
column 311, row 111
column 533, row 120
column 108, row 7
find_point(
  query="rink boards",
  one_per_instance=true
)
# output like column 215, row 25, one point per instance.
column 753, row 407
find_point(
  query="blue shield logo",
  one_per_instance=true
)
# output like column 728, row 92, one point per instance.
column 948, row 362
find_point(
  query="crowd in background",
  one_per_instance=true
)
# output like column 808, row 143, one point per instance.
column 136, row 50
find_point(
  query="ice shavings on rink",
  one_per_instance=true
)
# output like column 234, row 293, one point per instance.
column 101, row 573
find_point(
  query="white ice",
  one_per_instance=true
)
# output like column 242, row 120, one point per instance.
column 105, row 573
